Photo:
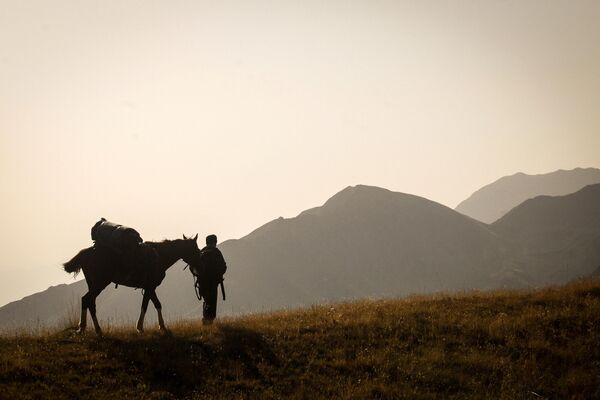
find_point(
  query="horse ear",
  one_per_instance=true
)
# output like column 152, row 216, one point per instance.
column 184, row 236
column 195, row 237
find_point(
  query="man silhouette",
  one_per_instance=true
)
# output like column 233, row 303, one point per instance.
column 210, row 272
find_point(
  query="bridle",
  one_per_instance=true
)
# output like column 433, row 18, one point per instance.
column 196, row 282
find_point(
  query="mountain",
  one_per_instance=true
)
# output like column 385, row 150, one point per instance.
column 51, row 307
column 493, row 201
column 558, row 237
column 363, row 242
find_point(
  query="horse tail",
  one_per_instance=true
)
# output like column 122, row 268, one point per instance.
column 75, row 264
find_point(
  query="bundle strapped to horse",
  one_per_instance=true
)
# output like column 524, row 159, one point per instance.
column 118, row 237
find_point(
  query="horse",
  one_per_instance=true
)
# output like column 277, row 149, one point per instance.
column 102, row 266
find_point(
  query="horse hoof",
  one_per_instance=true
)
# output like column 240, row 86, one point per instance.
column 140, row 331
column 80, row 331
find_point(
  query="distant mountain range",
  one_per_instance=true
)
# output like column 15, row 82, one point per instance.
column 558, row 237
column 493, row 201
column 365, row 242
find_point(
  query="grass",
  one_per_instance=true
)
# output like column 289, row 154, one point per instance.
column 505, row 345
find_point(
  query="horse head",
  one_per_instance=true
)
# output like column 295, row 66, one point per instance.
column 190, row 249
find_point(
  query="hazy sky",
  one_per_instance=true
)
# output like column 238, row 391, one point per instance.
column 188, row 116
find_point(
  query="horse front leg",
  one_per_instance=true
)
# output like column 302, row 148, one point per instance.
column 158, row 306
column 145, row 300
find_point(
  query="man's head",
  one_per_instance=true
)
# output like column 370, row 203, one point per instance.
column 211, row 240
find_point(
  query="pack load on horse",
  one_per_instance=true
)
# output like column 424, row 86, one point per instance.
column 118, row 237
column 208, row 269
column 119, row 256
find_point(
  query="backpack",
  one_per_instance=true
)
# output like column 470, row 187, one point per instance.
column 115, row 236
column 210, row 265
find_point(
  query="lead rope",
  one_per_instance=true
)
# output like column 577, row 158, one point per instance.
column 196, row 283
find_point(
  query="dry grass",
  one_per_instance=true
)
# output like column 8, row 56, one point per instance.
column 506, row 345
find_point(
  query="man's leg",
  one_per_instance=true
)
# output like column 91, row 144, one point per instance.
column 209, row 310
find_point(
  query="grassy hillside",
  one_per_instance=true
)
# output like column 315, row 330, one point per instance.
column 511, row 345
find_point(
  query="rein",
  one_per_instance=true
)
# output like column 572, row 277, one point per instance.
column 196, row 283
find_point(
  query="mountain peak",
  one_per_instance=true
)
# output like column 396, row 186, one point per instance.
column 358, row 192
column 495, row 200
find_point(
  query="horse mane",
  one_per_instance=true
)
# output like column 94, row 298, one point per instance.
column 163, row 242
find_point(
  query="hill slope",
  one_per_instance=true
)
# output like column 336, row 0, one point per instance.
column 505, row 345
column 51, row 307
column 559, row 236
column 364, row 241
column 493, row 201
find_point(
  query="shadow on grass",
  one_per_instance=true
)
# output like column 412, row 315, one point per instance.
column 183, row 364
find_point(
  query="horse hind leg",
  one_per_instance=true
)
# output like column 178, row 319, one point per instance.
column 92, row 309
column 83, row 316
column 88, row 301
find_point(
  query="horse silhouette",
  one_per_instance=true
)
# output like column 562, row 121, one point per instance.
column 102, row 265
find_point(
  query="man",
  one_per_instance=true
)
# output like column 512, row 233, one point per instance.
column 210, row 272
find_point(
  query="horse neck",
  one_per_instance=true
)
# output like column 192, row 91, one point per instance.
column 168, row 253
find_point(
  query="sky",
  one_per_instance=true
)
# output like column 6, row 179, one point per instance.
column 216, row 117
